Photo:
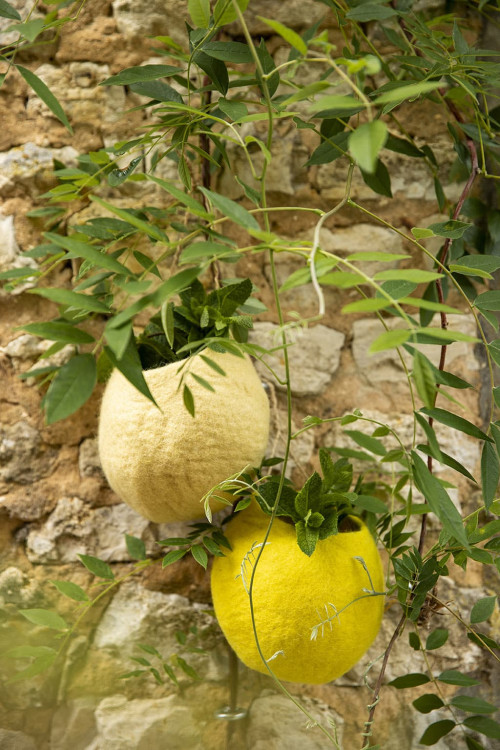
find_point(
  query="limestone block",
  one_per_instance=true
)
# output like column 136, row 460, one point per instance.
column 9, row 249
column 314, row 355
column 77, row 88
column 25, row 347
column 20, row 446
column 23, row 7
column 386, row 367
column 296, row 14
column 31, row 166
column 16, row 740
column 301, row 449
column 88, row 459
column 74, row 528
column 152, row 17
column 17, row 589
column 362, row 238
column 275, row 724
column 145, row 724
column 73, row 725
column 138, row 615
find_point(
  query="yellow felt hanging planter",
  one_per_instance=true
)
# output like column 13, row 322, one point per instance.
column 293, row 593
column 161, row 461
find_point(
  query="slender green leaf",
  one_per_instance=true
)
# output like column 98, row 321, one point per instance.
column 490, row 473
column 212, row 364
column 424, row 380
column 290, row 36
column 456, row 422
column 143, row 226
column 454, row 677
column 224, row 11
column 472, row 704
column 435, row 731
column 484, row 725
column 172, row 556
column 136, row 547
column 370, row 12
column 231, row 209
column 488, row 301
column 45, row 618
column 400, row 93
column 200, row 555
column 199, row 10
column 71, row 590
column 436, row 639
column 7, row 11
column 191, row 203
column 439, row 500
column 77, row 249
column 427, row 703
column 71, row 299
column 140, row 73
column 130, row 366
column 156, row 90
column 379, row 180
column 204, row 383
column 389, row 340
column 483, row 609
column 407, row 274
column 234, row 52
column 97, row 567
column 366, row 142
column 71, row 388
column 451, row 229
column 188, row 399
column 410, row 680
column 368, row 443
column 57, row 331
column 46, row 95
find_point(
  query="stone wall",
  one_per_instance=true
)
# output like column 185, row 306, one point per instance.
column 54, row 500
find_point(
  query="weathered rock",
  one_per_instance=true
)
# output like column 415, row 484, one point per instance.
column 73, row 725
column 10, row 257
column 16, row 741
column 77, row 88
column 386, row 367
column 301, row 448
column 314, row 356
column 74, row 528
column 23, row 7
column 17, row 589
column 276, row 724
column 31, row 166
column 88, row 459
column 25, row 347
column 362, row 238
column 20, row 445
column 146, row 724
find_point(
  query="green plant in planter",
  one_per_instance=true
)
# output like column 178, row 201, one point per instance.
column 361, row 108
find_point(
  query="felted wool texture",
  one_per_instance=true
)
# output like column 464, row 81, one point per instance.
column 289, row 595
column 162, row 461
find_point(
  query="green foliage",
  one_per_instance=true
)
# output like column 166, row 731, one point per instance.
column 148, row 284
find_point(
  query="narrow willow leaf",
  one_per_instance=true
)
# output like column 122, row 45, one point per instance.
column 46, row 95
column 472, row 704
column 57, row 331
column 483, row 609
column 173, row 556
column 456, row 422
column 130, row 366
column 421, row 233
column 455, row 677
column 402, row 92
column 156, row 90
column 290, row 36
column 167, row 321
column 488, row 301
column 447, row 460
column 407, row 274
column 484, row 725
column 231, row 209
column 224, row 11
column 40, row 664
column 77, row 249
column 191, row 203
column 200, row 555
column 136, row 547
column 368, row 443
column 118, row 338
column 370, row 11
column 371, row 304
column 436, row 639
column 71, row 388
column 97, row 567
column 204, row 383
column 439, row 500
column 450, row 229
column 140, row 73
column 199, row 10
column 7, row 11
column 143, row 226
column 389, row 340
column 490, row 473
column 187, row 397
column 71, row 590
column 234, row 52
column 435, row 731
column 366, row 142
column 72, row 299
column 212, row 364
column 424, row 380
column 379, row 180
column 410, row 680
column 44, row 617
column 428, row 702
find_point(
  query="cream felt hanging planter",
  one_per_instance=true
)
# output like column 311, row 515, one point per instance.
column 293, row 593
column 162, row 461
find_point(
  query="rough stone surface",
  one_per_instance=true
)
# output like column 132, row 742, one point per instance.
column 9, row 249
column 17, row 589
column 74, row 528
column 25, row 347
column 146, row 724
column 314, row 355
column 23, row 7
column 275, row 724
column 31, row 166
column 20, row 445
column 73, row 725
column 363, row 238
column 301, row 448
column 16, row 741
column 386, row 367
column 88, row 459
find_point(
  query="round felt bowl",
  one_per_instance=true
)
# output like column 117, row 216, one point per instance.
column 161, row 461
column 292, row 593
